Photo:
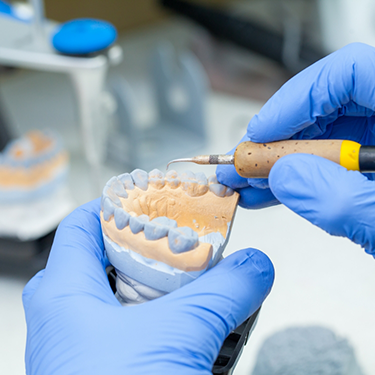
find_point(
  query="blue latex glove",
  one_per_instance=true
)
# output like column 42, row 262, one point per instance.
column 75, row 325
column 334, row 98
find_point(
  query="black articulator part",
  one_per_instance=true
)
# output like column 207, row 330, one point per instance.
column 233, row 345
column 367, row 159
column 19, row 258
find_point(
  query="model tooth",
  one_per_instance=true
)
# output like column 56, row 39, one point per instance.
column 108, row 193
column 182, row 239
column 193, row 187
column 119, row 189
column 229, row 192
column 155, row 230
column 172, row 174
column 189, row 184
column 218, row 189
column 187, row 175
column 190, row 187
column 137, row 223
column 111, row 181
column 202, row 182
column 163, row 220
column 127, row 180
column 201, row 178
column 155, row 173
column 173, row 183
column 156, row 179
column 212, row 179
column 172, row 180
column 108, row 209
column 140, row 179
column 121, row 218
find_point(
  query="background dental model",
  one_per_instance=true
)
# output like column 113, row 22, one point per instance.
column 38, row 158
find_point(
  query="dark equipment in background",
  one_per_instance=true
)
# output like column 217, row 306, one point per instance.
column 5, row 133
column 23, row 259
column 286, row 49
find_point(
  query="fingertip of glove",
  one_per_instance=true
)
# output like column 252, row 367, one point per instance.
column 286, row 171
column 227, row 175
column 251, row 198
column 253, row 129
column 260, row 127
column 261, row 265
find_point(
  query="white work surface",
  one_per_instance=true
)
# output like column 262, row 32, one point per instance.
column 320, row 280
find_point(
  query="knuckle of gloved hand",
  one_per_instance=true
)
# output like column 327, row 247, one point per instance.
column 76, row 219
column 357, row 49
column 72, row 218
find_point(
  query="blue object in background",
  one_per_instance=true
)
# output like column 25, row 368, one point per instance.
column 5, row 8
column 84, row 36
column 20, row 12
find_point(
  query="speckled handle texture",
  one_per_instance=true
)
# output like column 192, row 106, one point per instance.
column 255, row 160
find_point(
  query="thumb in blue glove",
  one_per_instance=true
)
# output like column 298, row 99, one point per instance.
column 76, row 325
column 339, row 201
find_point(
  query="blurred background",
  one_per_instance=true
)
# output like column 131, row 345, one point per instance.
column 154, row 81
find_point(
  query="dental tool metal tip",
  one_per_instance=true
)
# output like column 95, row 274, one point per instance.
column 205, row 159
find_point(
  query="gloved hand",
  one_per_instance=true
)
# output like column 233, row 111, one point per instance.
column 334, row 98
column 75, row 325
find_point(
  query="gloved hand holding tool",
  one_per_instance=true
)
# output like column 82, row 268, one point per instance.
column 332, row 99
column 75, row 325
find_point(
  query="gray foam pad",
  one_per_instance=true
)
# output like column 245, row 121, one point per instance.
column 306, row 351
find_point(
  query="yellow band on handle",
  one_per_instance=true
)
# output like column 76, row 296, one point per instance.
column 349, row 155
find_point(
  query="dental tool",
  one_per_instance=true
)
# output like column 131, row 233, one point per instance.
column 255, row 160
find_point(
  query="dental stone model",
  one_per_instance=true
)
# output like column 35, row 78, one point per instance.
column 162, row 232
column 31, row 167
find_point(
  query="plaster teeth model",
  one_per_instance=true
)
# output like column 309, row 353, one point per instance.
column 163, row 231
column 31, row 167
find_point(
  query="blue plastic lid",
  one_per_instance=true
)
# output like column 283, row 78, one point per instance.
column 84, row 36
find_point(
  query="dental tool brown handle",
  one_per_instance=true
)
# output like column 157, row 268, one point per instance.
column 255, row 160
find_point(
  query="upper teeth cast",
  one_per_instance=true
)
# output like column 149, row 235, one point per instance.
column 180, row 239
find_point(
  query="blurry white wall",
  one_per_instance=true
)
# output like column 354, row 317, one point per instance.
column 346, row 21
